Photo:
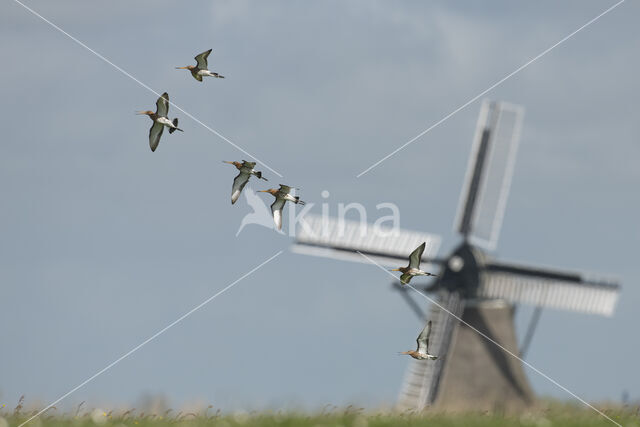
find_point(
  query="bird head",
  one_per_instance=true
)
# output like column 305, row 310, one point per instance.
column 236, row 164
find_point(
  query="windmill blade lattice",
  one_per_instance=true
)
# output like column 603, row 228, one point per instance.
column 548, row 288
column 343, row 239
column 484, row 196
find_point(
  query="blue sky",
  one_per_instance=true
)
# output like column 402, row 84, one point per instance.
column 104, row 242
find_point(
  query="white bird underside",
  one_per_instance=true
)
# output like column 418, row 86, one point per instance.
column 165, row 122
column 207, row 73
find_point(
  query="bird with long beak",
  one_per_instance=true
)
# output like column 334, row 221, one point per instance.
column 246, row 170
column 200, row 70
column 282, row 195
column 422, row 352
column 413, row 269
column 160, row 120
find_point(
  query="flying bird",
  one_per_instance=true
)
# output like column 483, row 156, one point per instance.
column 413, row 269
column 197, row 71
column 422, row 352
column 160, row 120
column 246, row 170
column 282, row 195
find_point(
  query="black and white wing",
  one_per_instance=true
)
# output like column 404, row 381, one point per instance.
column 238, row 184
column 162, row 105
column 249, row 165
column 423, row 339
column 416, row 256
column 154, row 135
column 276, row 210
column 202, row 59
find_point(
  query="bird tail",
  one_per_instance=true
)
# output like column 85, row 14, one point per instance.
column 259, row 175
column 298, row 201
column 219, row 76
column 175, row 123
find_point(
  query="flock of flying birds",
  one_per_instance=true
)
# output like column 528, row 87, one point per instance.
column 161, row 120
column 283, row 194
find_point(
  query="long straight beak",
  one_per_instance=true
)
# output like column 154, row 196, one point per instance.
column 395, row 269
column 181, row 68
column 140, row 112
column 224, row 161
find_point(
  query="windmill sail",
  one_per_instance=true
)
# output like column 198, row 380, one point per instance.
column 484, row 196
column 343, row 239
column 548, row 288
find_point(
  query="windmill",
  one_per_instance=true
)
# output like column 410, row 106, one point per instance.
column 473, row 373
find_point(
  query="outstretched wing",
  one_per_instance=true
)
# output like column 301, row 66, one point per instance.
column 162, row 105
column 405, row 278
column 285, row 189
column 416, row 256
column 238, row 184
column 202, row 59
column 423, row 339
column 154, row 135
column 276, row 210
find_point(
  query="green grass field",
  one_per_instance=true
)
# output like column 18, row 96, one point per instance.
column 553, row 414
